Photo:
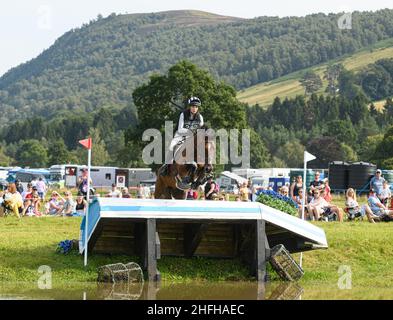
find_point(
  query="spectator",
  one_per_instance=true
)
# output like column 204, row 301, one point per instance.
column 140, row 193
column 34, row 182
column 82, row 182
column 249, row 188
column 243, row 192
column 319, row 207
column 379, row 211
column 114, row 192
column 190, row 194
column 295, row 187
column 19, row 186
column 352, row 206
column 146, row 192
column 376, row 183
column 69, row 205
column 80, row 205
column 1, row 203
column 237, row 198
column 13, row 200
column 385, row 194
column 32, row 206
column 28, row 193
column 316, row 184
column 41, row 188
column 326, row 191
column 285, row 191
column 55, row 204
column 210, row 187
column 125, row 193
column 299, row 202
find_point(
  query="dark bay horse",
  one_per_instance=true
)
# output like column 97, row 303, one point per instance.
column 173, row 185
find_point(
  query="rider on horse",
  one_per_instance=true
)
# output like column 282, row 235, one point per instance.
column 190, row 121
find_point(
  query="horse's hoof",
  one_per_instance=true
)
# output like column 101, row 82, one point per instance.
column 183, row 186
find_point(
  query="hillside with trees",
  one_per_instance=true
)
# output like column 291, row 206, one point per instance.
column 101, row 63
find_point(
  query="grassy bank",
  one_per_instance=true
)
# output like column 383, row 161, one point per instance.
column 29, row 243
column 289, row 85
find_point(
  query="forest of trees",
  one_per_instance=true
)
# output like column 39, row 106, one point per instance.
column 337, row 126
column 100, row 64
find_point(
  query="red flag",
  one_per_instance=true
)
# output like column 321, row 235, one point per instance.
column 86, row 143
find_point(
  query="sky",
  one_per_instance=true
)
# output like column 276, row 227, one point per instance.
column 28, row 27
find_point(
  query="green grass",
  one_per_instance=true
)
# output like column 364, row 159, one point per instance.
column 31, row 242
column 289, row 85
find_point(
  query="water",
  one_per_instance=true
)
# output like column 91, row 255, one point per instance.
column 190, row 291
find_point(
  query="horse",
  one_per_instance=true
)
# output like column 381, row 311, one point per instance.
column 173, row 185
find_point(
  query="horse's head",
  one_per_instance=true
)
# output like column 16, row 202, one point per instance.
column 196, row 157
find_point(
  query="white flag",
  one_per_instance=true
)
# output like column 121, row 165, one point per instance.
column 308, row 157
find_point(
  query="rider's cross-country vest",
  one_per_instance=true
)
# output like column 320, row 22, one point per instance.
column 193, row 124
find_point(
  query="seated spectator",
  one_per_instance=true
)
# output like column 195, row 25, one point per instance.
column 69, row 205
column 114, row 192
column 13, row 200
column 28, row 193
column 352, row 206
column 55, row 204
column 125, row 193
column 299, row 201
column 237, row 198
column 319, row 208
column 385, row 194
column 32, row 206
column 80, row 205
column 285, row 191
column 379, row 211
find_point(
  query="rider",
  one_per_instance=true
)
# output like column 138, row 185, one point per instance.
column 190, row 120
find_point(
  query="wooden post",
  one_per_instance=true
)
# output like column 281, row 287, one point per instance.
column 151, row 252
column 262, row 250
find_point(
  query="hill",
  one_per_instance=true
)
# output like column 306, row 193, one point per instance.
column 289, row 85
column 101, row 63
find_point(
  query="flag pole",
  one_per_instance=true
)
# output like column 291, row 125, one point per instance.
column 307, row 157
column 303, row 198
column 88, row 202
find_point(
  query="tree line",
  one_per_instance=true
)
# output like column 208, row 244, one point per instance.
column 338, row 126
column 101, row 63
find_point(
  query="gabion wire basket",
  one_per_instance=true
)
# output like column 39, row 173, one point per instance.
column 287, row 291
column 119, row 272
column 285, row 266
